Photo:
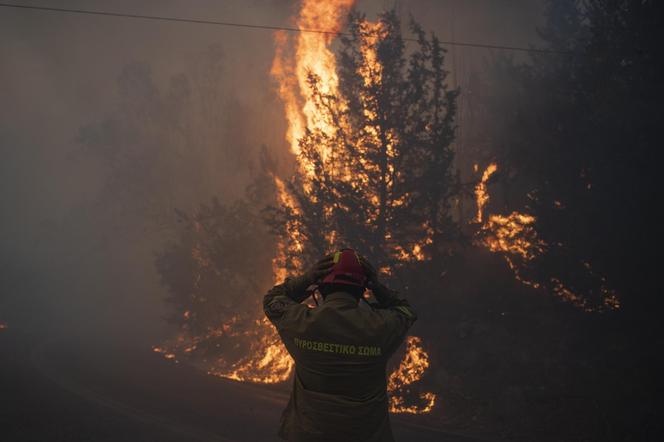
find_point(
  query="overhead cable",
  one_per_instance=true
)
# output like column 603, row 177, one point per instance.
column 264, row 27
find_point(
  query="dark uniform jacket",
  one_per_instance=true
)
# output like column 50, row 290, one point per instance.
column 340, row 350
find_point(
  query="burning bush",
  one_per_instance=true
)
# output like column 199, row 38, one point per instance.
column 216, row 271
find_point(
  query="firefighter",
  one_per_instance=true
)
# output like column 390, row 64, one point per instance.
column 340, row 348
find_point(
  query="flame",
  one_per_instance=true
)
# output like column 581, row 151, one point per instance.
column 263, row 358
column 299, row 63
column 267, row 361
column 481, row 194
column 312, row 63
column 514, row 236
column 312, row 57
column 295, row 244
column 411, row 369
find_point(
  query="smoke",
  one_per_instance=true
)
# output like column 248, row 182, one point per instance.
column 108, row 124
column 70, row 222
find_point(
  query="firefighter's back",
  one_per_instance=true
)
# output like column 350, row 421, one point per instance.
column 342, row 349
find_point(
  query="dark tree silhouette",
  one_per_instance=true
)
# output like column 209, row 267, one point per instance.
column 218, row 266
column 574, row 134
column 218, row 261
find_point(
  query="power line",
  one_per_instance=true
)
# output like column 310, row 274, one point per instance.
column 263, row 27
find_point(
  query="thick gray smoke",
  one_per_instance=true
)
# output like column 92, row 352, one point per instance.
column 109, row 124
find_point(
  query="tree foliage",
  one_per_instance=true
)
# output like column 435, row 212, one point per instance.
column 218, row 266
column 575, row 130
column 377, row 172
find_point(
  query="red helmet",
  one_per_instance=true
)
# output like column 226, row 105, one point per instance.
column 347, row 269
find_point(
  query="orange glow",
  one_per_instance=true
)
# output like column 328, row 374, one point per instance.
column 263, row 360
column 514, row 236
column 266, row 360
column 411, row 369
column 294, row 68
column 481, row 194
column 295, row 245
column 312, row 56
column 302, row 61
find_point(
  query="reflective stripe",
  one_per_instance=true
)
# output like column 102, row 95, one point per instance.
column 405, row 311
column 343, row 349
column 337, row 257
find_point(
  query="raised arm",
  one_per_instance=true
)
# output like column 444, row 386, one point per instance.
column 289, row 294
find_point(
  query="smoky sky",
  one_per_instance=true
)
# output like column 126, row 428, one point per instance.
column 64, row 263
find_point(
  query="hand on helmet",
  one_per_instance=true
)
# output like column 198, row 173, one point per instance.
column 319, row 270
column 372, row 274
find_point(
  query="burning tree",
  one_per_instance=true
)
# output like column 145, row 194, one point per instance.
column 371, row 132
column 375, row 151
